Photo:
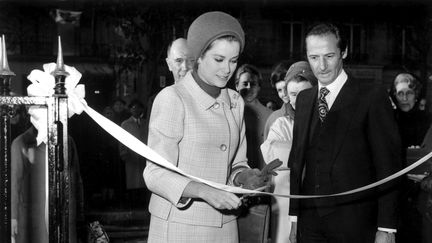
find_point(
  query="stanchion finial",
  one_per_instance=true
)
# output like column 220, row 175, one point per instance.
column 4, row 68
column 1, row 51
column 60, row 70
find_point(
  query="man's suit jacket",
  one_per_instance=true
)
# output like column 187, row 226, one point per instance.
column 360, row 144
column 28, row 189
column 134, row 163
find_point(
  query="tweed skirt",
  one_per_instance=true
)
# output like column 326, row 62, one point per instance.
column 164, row 231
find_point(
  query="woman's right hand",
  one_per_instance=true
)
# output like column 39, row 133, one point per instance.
column 219, row 199
column 293, row 233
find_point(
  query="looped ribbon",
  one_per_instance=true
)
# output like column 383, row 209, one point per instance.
column 43, row 85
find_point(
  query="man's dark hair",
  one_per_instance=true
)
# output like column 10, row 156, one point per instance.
column 135, row 102
column 322, row 29
column 279, row 72
column 118, row 99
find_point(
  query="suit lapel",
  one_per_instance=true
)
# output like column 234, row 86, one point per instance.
column 340, row 115
column 306, row 112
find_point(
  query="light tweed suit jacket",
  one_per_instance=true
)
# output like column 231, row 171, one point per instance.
column 202, row 136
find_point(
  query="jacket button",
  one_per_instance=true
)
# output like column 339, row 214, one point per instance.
column 223, row 147
column 216, row 105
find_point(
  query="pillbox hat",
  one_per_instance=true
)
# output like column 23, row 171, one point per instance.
column 210, row 26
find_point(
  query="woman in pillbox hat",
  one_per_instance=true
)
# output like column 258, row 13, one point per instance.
column 197, row 124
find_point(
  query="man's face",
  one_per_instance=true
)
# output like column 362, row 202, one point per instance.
column 118, row 106
column 325, row 57
column 136, row 111
column 293, row 88
column 281, row 90
column 179, row 62
column 248, row 87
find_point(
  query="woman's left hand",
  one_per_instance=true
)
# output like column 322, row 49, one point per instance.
column 251, row 179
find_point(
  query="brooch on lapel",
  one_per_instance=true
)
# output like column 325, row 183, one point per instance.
column 234, row 99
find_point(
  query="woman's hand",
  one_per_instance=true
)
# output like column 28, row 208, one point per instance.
column 254, row 178
column 250, row 179
column 216, row 198
column 220, row 199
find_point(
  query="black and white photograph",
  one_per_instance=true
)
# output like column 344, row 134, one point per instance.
column 225, row 121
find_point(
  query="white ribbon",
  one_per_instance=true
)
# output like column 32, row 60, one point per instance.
column 43, row 85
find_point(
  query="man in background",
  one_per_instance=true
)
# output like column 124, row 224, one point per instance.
column 178, row 59
column 179, row 62
column 136, row 125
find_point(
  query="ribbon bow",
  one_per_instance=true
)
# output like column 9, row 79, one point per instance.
column 43, row 84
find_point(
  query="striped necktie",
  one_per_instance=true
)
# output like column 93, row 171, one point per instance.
column 322, row 103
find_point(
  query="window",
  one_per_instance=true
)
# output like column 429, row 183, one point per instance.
column 292, row 35
column 356, row 40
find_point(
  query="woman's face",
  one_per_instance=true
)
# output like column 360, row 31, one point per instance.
column 405, row 96
column 293, row 88
column 282, row 92
column 219, row 62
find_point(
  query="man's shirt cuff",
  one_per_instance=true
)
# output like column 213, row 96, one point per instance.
column 387, row 230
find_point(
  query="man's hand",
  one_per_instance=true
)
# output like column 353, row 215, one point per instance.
column 426, row 183
column 293, row 233
column 14, row 227
column 384, row 237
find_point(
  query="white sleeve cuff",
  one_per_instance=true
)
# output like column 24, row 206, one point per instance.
column 387, row 230
column 293, row 218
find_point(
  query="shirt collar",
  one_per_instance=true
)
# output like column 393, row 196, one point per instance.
column 336, row 85
column 203, row 98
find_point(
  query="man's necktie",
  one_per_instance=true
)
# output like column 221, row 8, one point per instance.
column 322, row 103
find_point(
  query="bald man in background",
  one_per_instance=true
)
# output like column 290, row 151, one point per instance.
column 179, row 62
column 178, row 59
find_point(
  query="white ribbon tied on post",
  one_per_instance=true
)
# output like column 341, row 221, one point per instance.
column 43, row 85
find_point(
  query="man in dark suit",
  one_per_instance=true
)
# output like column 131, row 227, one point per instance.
column 344, row 137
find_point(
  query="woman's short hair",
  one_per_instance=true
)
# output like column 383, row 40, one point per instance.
column 279, row 72
column 410, row 79
column 252, row 70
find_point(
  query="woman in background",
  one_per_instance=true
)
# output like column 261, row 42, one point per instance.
column 278, row 146
column 413, row 124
